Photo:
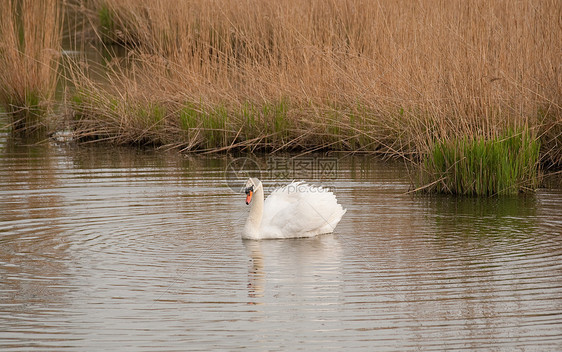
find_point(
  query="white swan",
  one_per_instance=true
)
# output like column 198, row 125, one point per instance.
column 295, row 210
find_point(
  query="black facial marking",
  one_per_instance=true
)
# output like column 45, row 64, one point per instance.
column 249, row 189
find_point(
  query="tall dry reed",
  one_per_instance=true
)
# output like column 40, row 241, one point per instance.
column 30, row 40
column 381, row 75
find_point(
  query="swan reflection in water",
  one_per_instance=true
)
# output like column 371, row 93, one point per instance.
column 294, row 269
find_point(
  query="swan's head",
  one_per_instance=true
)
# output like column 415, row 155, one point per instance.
column 252, row 186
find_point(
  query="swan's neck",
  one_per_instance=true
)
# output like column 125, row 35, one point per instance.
column 253, row 223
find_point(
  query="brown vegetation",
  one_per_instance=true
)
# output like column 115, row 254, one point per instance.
column 357, row 75
column 30, row 33
column 400, row 78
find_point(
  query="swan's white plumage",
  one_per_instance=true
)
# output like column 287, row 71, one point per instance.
column 295, row 210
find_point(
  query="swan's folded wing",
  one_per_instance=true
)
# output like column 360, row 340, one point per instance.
column 300, row 210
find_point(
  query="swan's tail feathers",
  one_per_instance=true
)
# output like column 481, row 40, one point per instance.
column 332, row 221
column 301, row 210
column 336, row 217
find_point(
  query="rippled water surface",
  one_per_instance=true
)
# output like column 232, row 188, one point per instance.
column 119, row 249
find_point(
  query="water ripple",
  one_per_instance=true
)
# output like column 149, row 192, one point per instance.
column 140, row 251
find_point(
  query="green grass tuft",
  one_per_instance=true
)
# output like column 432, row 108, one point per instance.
column 107, row 23
column 506, row 164
column 190, row 117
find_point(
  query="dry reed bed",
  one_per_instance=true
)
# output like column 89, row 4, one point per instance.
column 30, row 44
column 407, row 79
column 388, row 76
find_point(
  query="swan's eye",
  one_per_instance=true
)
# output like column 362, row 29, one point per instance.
column 249, row 189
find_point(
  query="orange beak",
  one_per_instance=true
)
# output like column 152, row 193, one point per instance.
column 249, row 197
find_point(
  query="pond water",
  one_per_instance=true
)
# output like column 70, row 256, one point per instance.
column 122, row 249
